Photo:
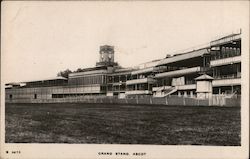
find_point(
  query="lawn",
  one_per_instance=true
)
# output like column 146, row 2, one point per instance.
column 122, row 124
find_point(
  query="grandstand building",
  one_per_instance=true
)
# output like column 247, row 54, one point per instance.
column 201, row 73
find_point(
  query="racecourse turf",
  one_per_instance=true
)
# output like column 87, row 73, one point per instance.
column 122, row 124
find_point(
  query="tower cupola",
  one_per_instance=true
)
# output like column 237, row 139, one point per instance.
column 106, row 56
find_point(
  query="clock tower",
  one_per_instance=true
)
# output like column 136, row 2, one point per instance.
column 106, row 56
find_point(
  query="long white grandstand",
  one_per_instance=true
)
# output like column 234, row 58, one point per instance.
column 213, row 69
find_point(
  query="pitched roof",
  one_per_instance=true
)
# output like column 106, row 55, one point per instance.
column 204, row 77
column 47, row 79
column 184, row 56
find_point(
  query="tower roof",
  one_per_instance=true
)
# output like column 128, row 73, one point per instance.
column 204, row 77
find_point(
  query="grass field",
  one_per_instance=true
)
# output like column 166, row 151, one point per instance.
column 122, row 124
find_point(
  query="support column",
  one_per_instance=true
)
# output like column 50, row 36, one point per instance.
column 179, row 94
column 185, row 93
column 191, row 94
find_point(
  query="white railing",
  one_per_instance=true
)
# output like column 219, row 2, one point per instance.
column 226, row 82
column 138, row 81
column 150, row 69
column 91, row 72
column 186, row 87
column 179, row 72
column 57, row 90
column 225, row 61
column 138, row 92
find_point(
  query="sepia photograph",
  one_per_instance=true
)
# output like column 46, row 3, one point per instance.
column 118, row 78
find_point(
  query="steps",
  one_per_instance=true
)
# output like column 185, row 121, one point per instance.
column 164, row 91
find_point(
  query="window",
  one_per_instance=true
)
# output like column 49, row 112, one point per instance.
column 234, row 52
column 35, row 96
column 238, row 51
column 231, row 53
column 225, row 55
column 223, row 52
column 10, row 96
column 110, row 57
column 102, row 57
column 57, row 95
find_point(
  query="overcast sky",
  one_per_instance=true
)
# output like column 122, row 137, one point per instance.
column 40, row 39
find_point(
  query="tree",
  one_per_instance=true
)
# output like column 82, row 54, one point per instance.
column 64, row 73
column 78, row 70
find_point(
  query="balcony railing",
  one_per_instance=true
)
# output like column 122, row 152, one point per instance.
column 178, row 72
column 230, row 76
column 226, row 61
column 226, row 82
column 138, row 81
column 145, row 70
column 138, row 92
column 186, row 87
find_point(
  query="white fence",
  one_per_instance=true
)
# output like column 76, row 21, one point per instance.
column 215, row 100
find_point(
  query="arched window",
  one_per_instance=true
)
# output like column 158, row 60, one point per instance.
column 230, row 52
column 234, row 51
column 238, row 51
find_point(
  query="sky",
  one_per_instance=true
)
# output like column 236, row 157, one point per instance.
column 39, row 39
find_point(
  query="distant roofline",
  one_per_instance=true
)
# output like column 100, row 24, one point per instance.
column 123, row 69
column 89, row 69
column 92, row 68
column 46, row 79
column 231, row 35
column 184, row 56
column 149, row 62
column 191, row 51
column 13, row 83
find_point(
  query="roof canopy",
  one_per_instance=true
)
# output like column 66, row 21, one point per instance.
column 204, row 77
column 184, row 56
